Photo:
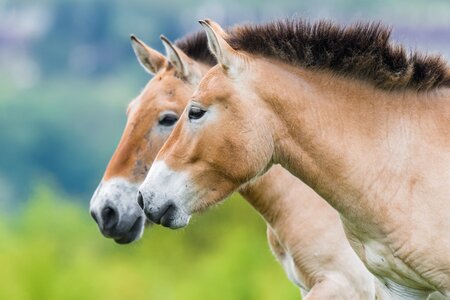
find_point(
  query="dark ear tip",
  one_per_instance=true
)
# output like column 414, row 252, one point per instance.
column 133, row 37
column 163, row 38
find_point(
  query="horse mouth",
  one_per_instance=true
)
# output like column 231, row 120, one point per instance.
column 133, row 234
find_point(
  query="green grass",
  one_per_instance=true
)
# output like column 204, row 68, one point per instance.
column 52, row 250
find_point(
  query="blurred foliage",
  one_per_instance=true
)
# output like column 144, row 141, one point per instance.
column 52, row 250
column 62, row 132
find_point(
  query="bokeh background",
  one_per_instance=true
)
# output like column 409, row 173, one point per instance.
column 67, row 72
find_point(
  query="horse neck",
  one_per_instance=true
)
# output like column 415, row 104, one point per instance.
column 327, row 130
column 268, row 194
column 287, row 204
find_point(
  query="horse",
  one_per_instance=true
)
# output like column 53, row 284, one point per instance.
column 307, row 238
column 150, row 119
column 346, row 111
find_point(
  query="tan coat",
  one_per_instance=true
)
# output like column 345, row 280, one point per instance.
column 304, row 232
column 381, row 158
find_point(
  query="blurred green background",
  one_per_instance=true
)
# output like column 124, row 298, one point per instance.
column 67, row 72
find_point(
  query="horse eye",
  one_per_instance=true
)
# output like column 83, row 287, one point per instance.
column 195, row 113
column 168, row 120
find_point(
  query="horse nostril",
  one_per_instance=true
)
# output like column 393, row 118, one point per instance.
column 140, row 200
column 110, row 217
column 94, row 216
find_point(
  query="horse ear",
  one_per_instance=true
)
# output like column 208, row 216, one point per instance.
column 226, row 56
column 184, row 65
column 151, row 60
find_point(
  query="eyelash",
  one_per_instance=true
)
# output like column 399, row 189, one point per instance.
column 196, row 113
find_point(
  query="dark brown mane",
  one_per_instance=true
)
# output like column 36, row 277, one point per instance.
column 362, row 51
column 196, row 47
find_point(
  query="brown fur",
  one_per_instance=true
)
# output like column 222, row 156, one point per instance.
column 138, row 147
column 381, row 158
column 165, row 92
column 196, row 47
column 323, row 260
column 362, row 50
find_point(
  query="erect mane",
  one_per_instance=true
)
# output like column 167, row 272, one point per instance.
column 362, row 51
column 195, row 46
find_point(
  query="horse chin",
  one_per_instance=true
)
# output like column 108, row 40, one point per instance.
column 134, row 234
column 170, row 216
column 175, row 218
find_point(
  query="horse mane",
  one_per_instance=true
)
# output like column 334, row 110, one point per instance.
column 362, row 51
column 195, row 46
